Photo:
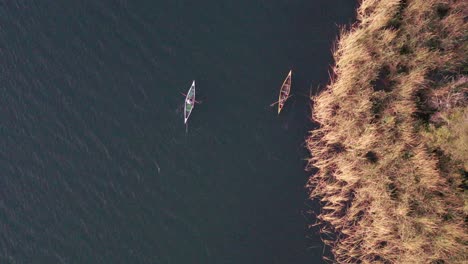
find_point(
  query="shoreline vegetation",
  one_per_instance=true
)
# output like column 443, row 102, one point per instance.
column 390, row 158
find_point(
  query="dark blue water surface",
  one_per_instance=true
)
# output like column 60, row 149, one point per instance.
column 96, row 165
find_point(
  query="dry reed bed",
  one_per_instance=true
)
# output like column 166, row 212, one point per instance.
column 387, row 198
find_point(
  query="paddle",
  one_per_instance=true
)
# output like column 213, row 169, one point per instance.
column 283, row 100
column 198, row 102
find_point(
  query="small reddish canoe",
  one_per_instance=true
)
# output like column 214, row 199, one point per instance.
column 284, row 92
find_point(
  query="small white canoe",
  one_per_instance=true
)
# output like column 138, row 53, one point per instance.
column 189, row 102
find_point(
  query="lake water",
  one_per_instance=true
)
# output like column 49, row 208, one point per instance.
column 96, row 164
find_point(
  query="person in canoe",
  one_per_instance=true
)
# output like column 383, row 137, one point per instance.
column 284, row 94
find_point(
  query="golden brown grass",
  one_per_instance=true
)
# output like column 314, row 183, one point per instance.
column 391, row 150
